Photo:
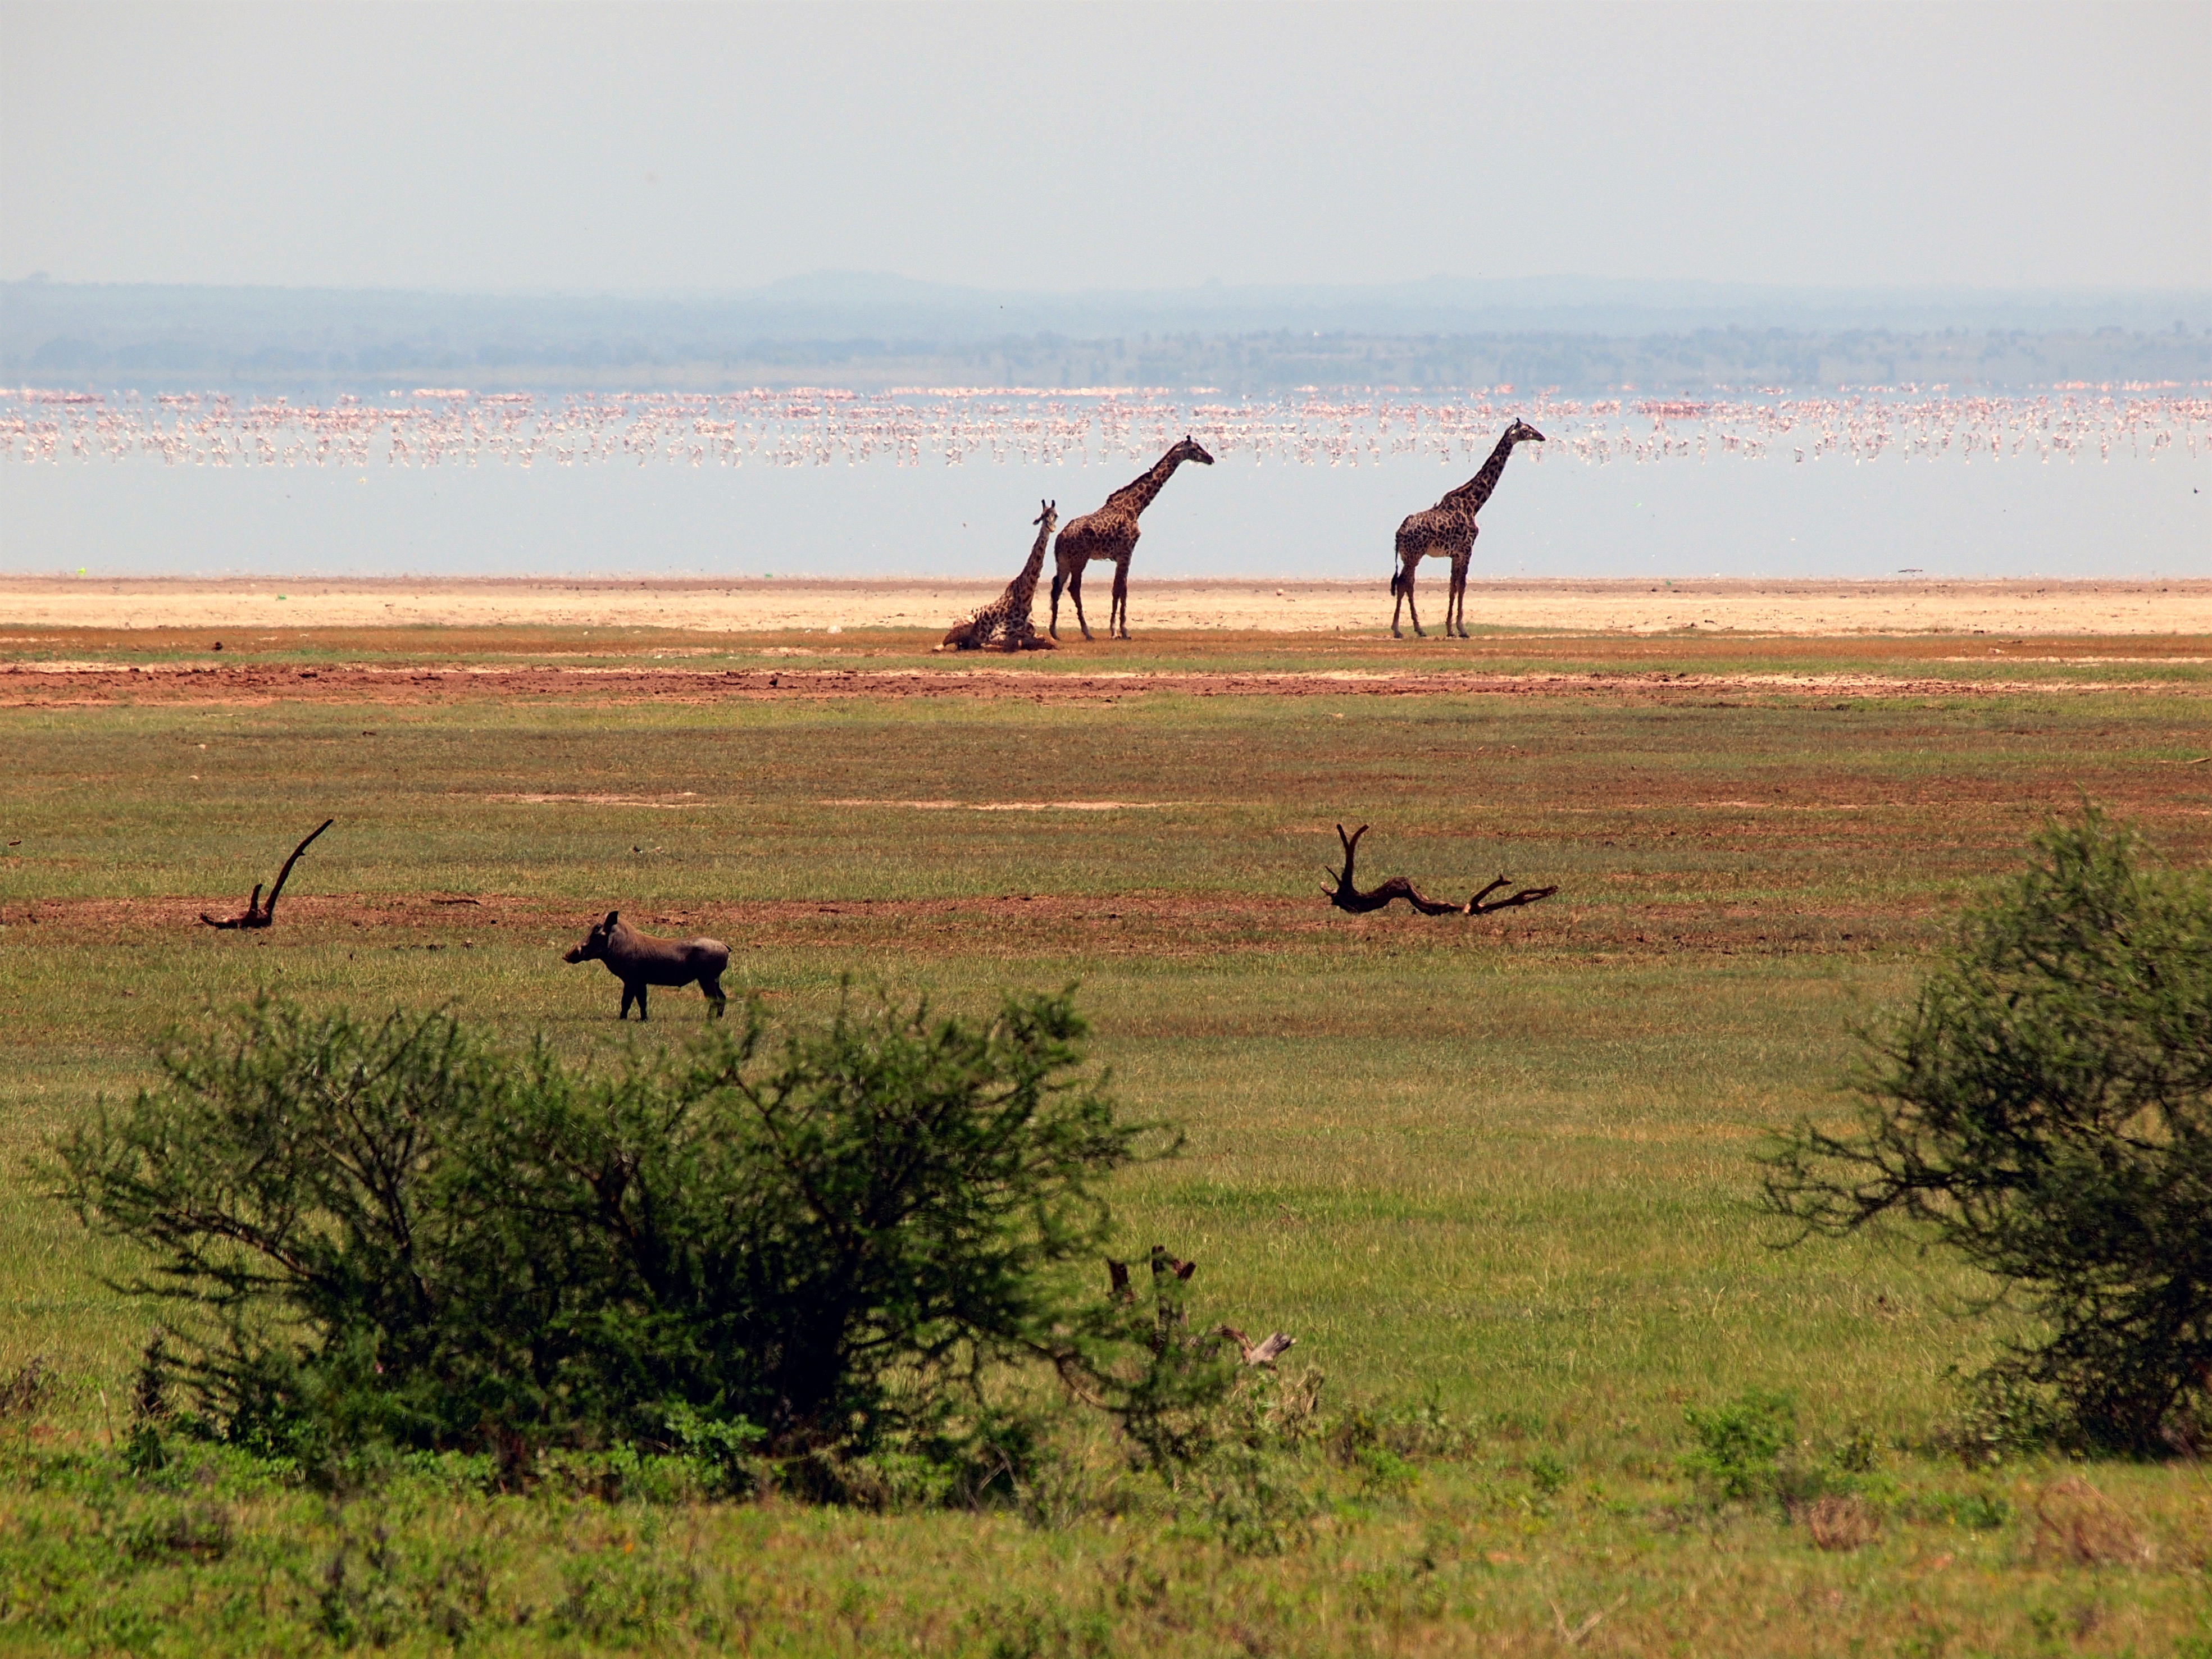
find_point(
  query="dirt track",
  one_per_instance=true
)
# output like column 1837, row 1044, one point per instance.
column 48, row 685
column 2170, row 606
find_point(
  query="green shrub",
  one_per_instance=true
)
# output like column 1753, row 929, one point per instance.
column 817, row 1249
column 1548, row 1474
column 1740, row 1444
column 1168, row 1389
column 1253, row 1500
column 1975, row 1511
column 2045, row 1110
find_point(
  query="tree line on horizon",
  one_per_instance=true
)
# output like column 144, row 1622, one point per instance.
column 278, row 340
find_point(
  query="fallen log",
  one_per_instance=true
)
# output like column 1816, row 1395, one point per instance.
column 1345, row 896
column 258, row 914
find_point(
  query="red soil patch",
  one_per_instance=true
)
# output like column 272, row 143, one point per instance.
column 1156, row 925
column 50, row 684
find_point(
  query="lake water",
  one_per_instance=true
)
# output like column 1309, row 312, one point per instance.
column 946, row 483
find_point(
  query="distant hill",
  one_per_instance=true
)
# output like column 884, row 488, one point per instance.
column 871, row 331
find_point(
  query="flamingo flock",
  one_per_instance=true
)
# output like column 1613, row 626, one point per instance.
column 957, row 426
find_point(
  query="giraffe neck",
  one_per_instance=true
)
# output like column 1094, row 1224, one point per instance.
column 1470, row 496
column 1025, row 583
column 1137, row 494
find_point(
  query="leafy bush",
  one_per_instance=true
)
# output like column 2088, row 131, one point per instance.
column 819, row 1248
column 1253, row 1500
column 1740, row 1444
column 2044, row 1110
column 1223, row 1438
column 1975, row 1511
column 1548, row 1474
column 1168, row 1389
column 1382, row 1439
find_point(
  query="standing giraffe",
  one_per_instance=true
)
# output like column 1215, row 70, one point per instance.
column 1007, row 617
column 1447, row 531
column 1111, row 533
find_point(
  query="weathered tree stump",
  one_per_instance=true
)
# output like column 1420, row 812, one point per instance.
column 258, row 914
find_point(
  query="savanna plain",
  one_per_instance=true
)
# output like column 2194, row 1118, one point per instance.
column 1494, row 1175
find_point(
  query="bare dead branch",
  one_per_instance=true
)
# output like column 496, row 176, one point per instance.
column 1169, row 1317
column 1345, row 896
column 1476, row 906
column 1266, row 1351
column 258, row 914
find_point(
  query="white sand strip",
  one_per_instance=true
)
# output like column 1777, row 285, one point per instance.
column 2171, row 606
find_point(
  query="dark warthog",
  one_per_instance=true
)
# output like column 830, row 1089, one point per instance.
column 639, row 960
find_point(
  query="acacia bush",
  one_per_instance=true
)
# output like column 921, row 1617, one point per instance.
column 2044, row 1110
column 820, row 1244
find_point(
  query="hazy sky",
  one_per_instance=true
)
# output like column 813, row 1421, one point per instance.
column 1053, row 146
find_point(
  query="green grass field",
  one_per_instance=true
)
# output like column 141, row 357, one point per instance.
column 1500, row 1165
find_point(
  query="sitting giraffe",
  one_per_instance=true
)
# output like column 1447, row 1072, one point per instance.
column 1003, row 624
column 1111, row 533
column 1447, row 531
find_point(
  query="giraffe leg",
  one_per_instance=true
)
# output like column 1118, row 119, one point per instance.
column 1057, row 581
column 1458, row 606
column 1397, row 603
column 1075, row 592
column 1413, row 607
column 1119, row 612
column 1466, row 559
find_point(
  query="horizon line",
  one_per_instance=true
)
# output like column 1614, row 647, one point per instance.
column 778, row 287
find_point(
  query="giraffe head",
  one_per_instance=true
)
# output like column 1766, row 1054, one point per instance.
column 1189, row 450
column 1049, row 517
column 1522, row 433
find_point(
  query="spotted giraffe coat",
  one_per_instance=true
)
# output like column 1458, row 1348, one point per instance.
column 1111, row 534
column 1003, row 624
column 1447, row 531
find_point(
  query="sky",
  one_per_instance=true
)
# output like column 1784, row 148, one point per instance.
column 642, row 147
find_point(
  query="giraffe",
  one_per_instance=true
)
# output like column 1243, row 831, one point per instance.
column 1447, row 531
column 1111, row 533
column 1007, row 617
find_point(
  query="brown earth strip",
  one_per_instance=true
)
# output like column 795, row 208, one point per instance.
column 48, row 685
column 1145, row 924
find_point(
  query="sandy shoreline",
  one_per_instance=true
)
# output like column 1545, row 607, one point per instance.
column 2169, row 606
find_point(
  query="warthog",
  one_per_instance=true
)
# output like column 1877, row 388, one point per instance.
column 639, row 960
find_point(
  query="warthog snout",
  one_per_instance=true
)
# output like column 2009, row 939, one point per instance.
column 594, row 947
